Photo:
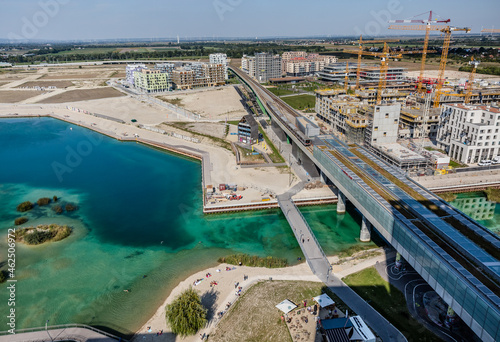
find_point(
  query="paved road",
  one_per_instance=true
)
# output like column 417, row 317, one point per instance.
column 63, row 334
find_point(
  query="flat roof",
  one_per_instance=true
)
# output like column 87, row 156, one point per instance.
column 399, row 152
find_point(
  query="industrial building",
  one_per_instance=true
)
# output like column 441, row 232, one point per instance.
column 469, row 133
column 219, row 58
column 248, row 130
column 151, row 81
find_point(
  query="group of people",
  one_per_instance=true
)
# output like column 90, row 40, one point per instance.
column 213, row 283
column 238, row 292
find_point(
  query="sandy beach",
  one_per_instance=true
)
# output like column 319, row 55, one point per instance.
column 225, row 290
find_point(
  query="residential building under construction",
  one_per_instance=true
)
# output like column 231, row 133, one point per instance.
column 369, row 73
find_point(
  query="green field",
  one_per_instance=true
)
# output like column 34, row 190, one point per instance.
column 301, row 102
column 280, row 91
column 389, row 302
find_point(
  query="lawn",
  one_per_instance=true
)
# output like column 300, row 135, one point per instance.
column 300, row 101
column 389, row 302
column 275, row 156
column 254, row 316
column 280, row 91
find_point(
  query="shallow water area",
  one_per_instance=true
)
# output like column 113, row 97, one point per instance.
column 139, row 226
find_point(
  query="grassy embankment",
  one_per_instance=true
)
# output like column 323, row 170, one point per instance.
column 389, row 302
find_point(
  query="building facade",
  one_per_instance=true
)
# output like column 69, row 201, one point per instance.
column 219, row 58
column 336, row 72
column 469, row 133
column 248, row 65
column 384, row 125
column 199, row 75
column 129, row 71
column 248, row 130
column 267, row 66
column 307, row 64
column 151, row 81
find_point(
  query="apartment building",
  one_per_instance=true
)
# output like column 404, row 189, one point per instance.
column 129, row 71
column 300, row 63
column 262, row 66
column 384, row 125
column 151, row 81
column 219, row 58
column 198, row 75
column 469, row 133
column 369, row 73
column 248, row 65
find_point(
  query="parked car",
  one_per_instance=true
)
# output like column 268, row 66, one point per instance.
column 495, row 160
column 485, row 162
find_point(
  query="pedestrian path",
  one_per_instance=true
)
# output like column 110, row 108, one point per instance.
column 68, row 332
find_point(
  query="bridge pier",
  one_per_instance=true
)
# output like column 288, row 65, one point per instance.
column 341, row 202
column 365, row 233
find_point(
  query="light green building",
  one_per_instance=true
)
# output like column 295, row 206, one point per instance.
column 152, row 81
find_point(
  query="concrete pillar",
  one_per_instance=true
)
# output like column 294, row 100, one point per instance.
column 323, row 177
column 340, row 203
column 365, row 234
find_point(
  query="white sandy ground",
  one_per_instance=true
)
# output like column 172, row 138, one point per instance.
column 208, row 103
column 226, row 289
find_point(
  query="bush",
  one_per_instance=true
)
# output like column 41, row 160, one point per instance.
column 37, row 237
column 54, row 198
column 3, row 277
column 43, row 201
column 186, row 315
column 70, row 207
column 57, row 209
column 254, row 261
column 25, row 206
column 20, row 220
column 62, row 233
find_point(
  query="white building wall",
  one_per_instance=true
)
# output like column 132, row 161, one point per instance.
column 219, row 58
column 385, row 124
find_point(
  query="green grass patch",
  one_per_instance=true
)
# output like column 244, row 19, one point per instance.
column 301, row 102
column 254, row 316
column 389, row 302
column 456, row 165
column 280, row 91
column 275, row 156
column 233, row 123
column 254, row 261
column 349, row 252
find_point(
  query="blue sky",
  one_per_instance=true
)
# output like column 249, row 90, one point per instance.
column 107, row 19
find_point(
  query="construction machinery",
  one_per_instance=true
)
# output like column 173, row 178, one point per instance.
column 384, row 56
column 360, row 53
column 470, row 85
column 427, row 27
column 444, row 58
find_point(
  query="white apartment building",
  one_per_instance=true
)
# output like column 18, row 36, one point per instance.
column 130, row 69
column 469, row 133
column 248, row 65
column 306, row 66
column 219, row 58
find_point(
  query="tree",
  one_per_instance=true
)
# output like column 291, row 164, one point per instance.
column 186, row 315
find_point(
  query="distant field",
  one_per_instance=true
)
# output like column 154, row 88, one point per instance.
column 84, row 51
column 83, row 95
column 59, row 76
column 13, row 96
column 58, row 84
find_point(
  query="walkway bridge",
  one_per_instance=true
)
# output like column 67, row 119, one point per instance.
column 457, row 257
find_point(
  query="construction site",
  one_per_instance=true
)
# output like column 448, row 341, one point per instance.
column 358, row 109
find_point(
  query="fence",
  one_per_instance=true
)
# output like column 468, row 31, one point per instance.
column 65, row 326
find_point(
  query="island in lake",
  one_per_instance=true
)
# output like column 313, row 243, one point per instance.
column 42, row 233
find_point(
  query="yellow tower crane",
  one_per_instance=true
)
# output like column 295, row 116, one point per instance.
column 385, row 55
column 470, row 85
column 360, row 53
column 427, row 27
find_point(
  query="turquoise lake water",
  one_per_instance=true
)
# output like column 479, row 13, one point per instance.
column 140, row 213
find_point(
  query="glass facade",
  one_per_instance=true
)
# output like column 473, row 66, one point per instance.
column 453, row 283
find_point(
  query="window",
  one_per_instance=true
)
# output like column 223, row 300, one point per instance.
column 386, row 115
column 395, row 121
column 375, row 140
column 385, row 134
column 375, row 128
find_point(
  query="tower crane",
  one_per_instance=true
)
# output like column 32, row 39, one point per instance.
column 360, row 53
column 346, row 80
column 470, row 85
column 427, row 27
column 444, row 58
column 490, row 31
column 385, row 55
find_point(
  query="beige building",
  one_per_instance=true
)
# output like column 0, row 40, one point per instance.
column 300, row 63
column 206, row 75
